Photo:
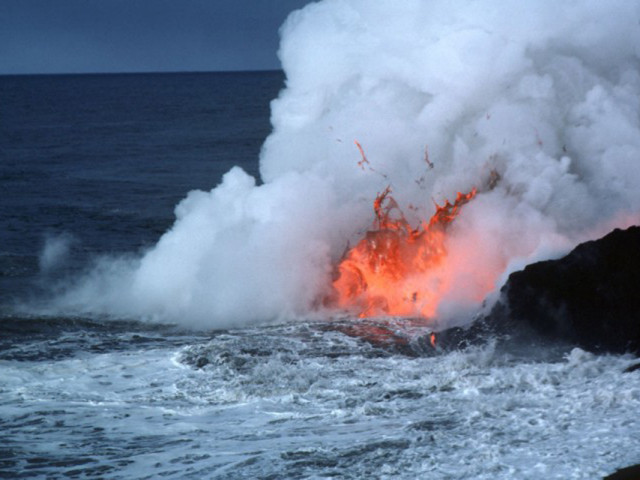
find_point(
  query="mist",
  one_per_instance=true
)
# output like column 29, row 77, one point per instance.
column 544, row 97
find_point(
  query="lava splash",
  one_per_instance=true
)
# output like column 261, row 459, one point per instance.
column 391, row 271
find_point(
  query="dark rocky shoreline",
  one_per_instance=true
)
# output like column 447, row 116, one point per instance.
column 589, row 298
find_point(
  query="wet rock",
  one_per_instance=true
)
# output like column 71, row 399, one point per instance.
column 589, row 298
column 632, row 368
column 457, row 338
column 202, row 362
column 629, row 473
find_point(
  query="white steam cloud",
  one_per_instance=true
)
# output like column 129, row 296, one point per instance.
column 544, row 94
column 55, row 252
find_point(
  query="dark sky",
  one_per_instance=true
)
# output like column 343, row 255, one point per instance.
column 79, row 36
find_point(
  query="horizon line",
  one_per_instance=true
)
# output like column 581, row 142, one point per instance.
column 144, row 72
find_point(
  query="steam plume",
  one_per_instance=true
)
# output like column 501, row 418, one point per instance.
column 543, row 95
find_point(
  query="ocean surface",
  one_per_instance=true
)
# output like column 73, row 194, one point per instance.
column 96, row 164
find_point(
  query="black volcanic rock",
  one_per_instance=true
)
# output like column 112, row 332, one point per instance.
column 629, row 473
column 591, row 297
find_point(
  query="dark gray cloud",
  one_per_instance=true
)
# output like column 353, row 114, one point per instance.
column 56, row 36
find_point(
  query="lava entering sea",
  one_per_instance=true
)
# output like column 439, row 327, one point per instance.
column 390, row 272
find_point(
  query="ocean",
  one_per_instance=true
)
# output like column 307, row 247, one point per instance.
column 94, row 166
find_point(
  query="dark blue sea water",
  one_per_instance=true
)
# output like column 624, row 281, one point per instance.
column 100, row 161
column 105, row 158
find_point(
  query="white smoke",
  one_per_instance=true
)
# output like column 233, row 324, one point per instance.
column 544, row 94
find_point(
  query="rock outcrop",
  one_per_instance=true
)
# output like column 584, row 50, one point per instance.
column 591, row 298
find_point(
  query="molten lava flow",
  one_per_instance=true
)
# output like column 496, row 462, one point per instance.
column 390, row 271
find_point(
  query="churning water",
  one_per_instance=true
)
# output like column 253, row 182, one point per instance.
column 82, row 399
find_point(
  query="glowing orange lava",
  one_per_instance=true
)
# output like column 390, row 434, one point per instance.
column 388, row 273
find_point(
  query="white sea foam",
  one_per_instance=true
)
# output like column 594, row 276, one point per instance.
column 300, row 403
column 544, row 94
